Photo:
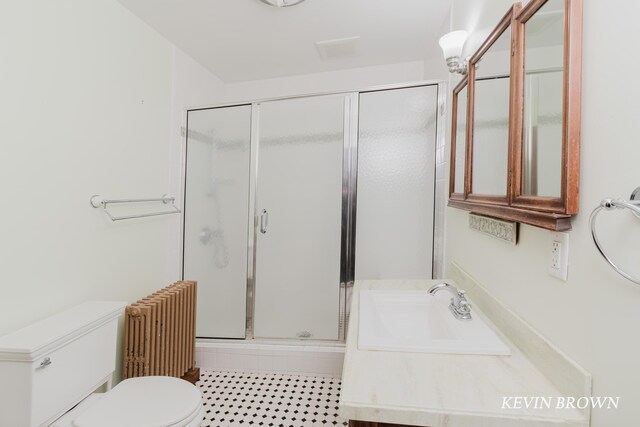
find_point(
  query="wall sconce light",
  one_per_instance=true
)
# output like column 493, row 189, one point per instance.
column 452, row 44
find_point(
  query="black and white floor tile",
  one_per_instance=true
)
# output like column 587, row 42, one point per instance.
column 272, row 400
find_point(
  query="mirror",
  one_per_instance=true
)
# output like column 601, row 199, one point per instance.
column 547, row 153
column 490, row 136
column 524, row 90
column 458, row 140
column 542, row 107
column 490, row 70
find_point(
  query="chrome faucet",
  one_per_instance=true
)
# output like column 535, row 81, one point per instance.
column 459, row 306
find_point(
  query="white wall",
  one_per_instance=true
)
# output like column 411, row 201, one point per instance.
column 343, row 80
column 435, row 67
column 91, row 103
column 85, row 109
column 593, row 316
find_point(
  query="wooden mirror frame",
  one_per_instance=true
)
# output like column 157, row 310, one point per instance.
column 545, row 212
column 507, row 21
column 492, row 205
column 567, row 203
column 454, row 131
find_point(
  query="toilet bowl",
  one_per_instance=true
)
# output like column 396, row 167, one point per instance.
column 50, row 371
column 140, row 402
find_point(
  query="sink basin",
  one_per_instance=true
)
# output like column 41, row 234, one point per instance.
column 418, row 322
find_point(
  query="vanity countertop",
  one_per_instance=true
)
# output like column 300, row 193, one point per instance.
column 427, row 389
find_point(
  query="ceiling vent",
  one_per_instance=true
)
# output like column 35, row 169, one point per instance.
column 337, row 48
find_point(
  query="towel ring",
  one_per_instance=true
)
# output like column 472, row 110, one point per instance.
column 635, row 196
column 612, row 204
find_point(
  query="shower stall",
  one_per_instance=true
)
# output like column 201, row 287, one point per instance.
column 288, row 201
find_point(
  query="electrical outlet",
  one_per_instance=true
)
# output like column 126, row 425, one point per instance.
column 555, row 254
column 559, row 262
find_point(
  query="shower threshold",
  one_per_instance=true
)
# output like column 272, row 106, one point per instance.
column 298, row 357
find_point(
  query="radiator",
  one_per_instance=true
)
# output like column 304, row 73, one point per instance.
column 160, row 333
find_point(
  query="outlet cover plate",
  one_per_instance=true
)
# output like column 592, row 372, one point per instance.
column 559, row 256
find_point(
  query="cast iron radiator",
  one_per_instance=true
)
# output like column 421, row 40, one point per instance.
column 160, row 334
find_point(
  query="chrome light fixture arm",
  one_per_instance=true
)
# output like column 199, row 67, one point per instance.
column 457, row 66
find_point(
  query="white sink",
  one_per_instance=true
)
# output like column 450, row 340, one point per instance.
column 418, row 322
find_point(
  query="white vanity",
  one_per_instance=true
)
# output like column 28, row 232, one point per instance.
column 433, row 384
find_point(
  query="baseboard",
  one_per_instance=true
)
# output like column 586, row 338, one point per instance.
column 323, row 360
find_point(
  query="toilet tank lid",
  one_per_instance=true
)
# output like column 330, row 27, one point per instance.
column 33, row 341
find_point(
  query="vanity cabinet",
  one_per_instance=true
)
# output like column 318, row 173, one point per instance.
column 515, row 135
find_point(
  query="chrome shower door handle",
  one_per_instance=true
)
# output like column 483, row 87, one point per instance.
column 264, row 221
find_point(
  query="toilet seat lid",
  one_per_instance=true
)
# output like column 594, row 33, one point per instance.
column 145, row 402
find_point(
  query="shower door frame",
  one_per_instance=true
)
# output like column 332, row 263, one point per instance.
column 349, row 190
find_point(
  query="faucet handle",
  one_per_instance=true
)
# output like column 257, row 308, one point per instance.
column 465, row 307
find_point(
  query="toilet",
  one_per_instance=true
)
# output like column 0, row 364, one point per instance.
column 50, row 372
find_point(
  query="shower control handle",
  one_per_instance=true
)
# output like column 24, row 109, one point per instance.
column 264, row 221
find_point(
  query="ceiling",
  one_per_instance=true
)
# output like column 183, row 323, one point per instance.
column 241, row 40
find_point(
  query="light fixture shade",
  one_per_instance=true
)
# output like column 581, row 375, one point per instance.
column 282, row 3
column 452, row 43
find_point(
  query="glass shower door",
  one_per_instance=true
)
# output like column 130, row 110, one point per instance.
column 216, row 217
column 299, row 208
column 396, row 180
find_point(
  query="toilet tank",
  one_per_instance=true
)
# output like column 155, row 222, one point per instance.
column 50, row 366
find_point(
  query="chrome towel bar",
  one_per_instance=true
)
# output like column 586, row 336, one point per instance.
column 611, row 204
column 98, row 202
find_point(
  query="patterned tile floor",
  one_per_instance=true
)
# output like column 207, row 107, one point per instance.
column 272, row 400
